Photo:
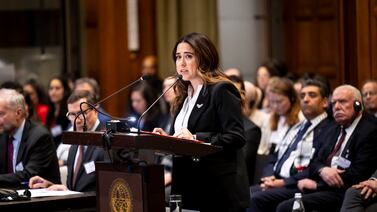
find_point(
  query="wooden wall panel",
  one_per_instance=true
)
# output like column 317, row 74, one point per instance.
column 91, row 48
column 312, row 38
column 373, row 45
column 108, row 58
column 363, row 41
column 335, row 38
column 359, row 41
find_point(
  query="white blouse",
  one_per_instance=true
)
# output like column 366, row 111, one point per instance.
column 184, row 114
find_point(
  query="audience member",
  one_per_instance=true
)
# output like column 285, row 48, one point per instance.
column 57, row 122
column 26, row 147
column 38, row 98
column 149, row 71
column 252, row 133
column 208, row 108
column 268, row 69
column 348, row 155
column 81, row 159
column 141, row 97
column 233, row 72
column 30, row 110
column 361, row 196
column 369, row 92
column 169, row 97
column 253, row 96
column 285, row 112
column 91, row 85
column 289, row 163
column 149, row 66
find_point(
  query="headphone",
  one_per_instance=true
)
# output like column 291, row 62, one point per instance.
column 357, row 106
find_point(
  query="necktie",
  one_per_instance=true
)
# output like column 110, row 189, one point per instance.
column 337, row 147
column 78, row 164
column 10, row 154
column 292, row 147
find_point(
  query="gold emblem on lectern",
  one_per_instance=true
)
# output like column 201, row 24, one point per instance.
column 120, row 196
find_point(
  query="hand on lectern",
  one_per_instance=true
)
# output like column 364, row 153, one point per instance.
column 184, row 133
column 159, row 131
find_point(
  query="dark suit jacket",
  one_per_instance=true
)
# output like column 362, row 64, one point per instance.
column 374, row 174
column 252, row 137
column 37, row 154
column 218, row 182
column 361, row 150
column 84, row 181
column 318, row 137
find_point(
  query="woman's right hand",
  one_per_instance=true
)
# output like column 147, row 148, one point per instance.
column 159, row 131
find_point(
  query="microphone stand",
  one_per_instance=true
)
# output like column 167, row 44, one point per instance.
column 94, row 107
column 178, row 78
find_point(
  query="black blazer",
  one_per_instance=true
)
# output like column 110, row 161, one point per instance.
column 374, row 175
column 361, row 150
column 218, row 182
column 252, row 136
column 37, row 154
column 84, row 181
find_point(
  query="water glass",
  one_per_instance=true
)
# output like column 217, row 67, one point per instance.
column 175, row 203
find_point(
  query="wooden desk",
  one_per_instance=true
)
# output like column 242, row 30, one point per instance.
column 76, row 202
column 134, row 141
column 143, row 190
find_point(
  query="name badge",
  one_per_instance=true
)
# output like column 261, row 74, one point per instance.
column 90, row 167
column 343, row 163
column 19, row 167
column 57, row 130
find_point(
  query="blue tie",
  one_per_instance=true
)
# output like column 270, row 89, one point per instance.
column 292, row 147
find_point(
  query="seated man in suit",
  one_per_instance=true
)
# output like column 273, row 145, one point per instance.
column 26, row 148
column 348, row 155
column 290, row 162
column 362, row 196
column 81, row 159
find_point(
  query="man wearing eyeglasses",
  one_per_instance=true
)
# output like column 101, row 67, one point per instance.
column 369, row 92
column 81, row 168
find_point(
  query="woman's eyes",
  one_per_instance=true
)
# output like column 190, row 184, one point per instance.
column 187, row 56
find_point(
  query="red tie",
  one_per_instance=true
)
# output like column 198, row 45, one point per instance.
column 10, row 154
column 78, row 164
column 337, row 147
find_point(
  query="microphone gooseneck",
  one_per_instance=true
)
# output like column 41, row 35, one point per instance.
column 177, row 79
column 120, row 90
column 82, row 112
column 91, row 106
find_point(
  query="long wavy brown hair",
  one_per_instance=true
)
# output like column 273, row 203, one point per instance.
column 284, row 86
column 208, row 68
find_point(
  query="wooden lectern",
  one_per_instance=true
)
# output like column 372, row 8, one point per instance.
column 129, row 186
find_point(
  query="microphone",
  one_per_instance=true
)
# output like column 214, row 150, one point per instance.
column 177, row 79
column 91, row 106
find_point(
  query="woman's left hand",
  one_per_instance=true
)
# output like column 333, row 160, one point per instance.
column 184, row 133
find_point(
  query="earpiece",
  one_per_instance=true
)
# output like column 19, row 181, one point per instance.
column 357, row 106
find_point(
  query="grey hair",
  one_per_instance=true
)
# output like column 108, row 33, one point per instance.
column 13, row 99
column 355, row 92
column 90, row 81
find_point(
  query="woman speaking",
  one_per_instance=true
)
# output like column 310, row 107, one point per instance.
column 207, row 108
